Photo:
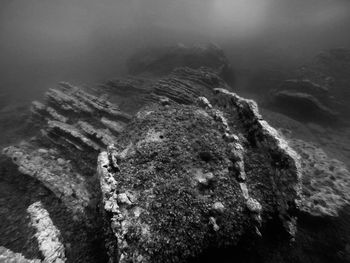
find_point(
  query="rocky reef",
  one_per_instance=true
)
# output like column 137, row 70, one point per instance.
column 164, row 166
column 184, row 179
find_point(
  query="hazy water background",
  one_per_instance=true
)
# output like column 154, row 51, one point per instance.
column 84, row 41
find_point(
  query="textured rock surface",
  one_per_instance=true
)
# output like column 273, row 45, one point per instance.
column 74, row 126
column 326, row 181
column 48, row 236
column 8, row 256
column 323, row 225
column 184, row 179
column 182, row 85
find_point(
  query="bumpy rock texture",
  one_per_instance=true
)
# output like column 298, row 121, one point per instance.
column 184, row 179
column 74, row 127
column 326, row 181
column 323, row 225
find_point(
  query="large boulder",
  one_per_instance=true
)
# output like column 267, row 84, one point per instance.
column 185, row 179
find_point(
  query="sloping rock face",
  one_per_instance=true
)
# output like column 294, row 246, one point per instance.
column 8, row 256
column 74, row 126
column 184, row 179
column 323, row 225
column 183, row 85
column 162, row 61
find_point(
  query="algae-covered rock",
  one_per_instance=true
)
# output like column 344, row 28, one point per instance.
column 184, row 179
column 326, row 181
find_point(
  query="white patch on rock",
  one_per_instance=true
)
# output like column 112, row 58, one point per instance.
column 47, row 235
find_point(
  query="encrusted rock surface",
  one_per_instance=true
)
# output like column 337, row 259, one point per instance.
column 326, row 181
column 73, row 127
column 48, row 236
column 184, row 179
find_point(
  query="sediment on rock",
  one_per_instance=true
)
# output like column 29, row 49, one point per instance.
column 219, row 148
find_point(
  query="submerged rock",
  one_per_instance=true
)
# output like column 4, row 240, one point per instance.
column 175, row 188
column 321, row 85
column 303, row 106
column 8, row 256
column 162, row 61
column 326, row 181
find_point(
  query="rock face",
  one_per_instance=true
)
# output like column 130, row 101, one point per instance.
column 326, row 181
column 323, row 225
column 162, row 61
column 183, row 85
column 74, row 126
column 184, row 179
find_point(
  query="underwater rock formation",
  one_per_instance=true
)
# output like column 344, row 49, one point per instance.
column 323, row 226
column 182, row 85
column 162, row 61
column 319, row 89
column 326, row 181
column 304, row 100
column 8, row 256
column 183, row 179
column 74, row 127
column 189, row 166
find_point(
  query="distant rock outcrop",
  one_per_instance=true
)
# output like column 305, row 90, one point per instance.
column 319, row 90
column 304, row 100
column 162, row 61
